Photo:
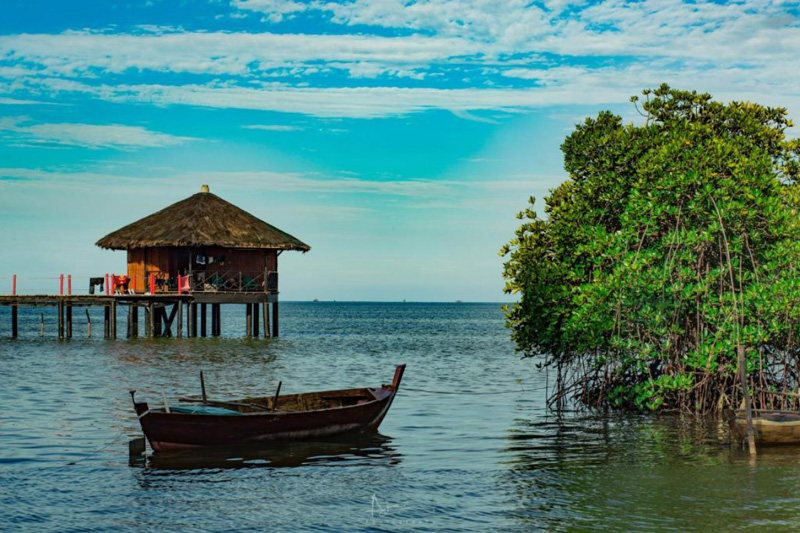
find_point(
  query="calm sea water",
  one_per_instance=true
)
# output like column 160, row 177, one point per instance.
column 468, row 444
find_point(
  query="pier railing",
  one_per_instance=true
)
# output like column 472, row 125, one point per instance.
column 228, row 281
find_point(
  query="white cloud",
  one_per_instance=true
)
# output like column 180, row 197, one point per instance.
column 510, row 56
column 85, row 135
column 272, row 127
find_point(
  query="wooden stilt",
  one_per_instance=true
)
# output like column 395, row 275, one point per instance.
column 134, row 321
column 748, row 406
column 130, row 321
column 203, row 316
column 194, row 319
column 69, row 321
column 149, row 319
column 158, row 321
column 169, row 320
column 113, row 320
column 216, row 320
column 265, row 306
column 249, row 320
column 106, row 322
column 14, row 321
column 255, row 321
column 179, row 305
column 275, row 319
column 88, row 324
column 60, row 319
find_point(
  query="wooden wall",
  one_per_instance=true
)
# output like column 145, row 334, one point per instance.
column 174, row 261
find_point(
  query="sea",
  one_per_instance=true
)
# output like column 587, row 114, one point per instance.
column 469, row 444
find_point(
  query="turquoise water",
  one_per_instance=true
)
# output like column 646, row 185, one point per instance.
column 468, row 444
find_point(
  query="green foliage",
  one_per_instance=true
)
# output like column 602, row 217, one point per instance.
column 671, row 243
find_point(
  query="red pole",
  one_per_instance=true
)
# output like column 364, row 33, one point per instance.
column 14, row 285
column 108, row 291
column 61, row 285
column 69, row 284
column 180, row 278
column 152, row 283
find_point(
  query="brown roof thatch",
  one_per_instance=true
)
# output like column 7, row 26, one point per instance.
column 203, row 219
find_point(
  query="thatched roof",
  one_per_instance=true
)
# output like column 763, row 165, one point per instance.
column 203, row 219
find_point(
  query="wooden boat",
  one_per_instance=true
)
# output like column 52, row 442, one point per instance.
column 771, row 427
column 264, row 419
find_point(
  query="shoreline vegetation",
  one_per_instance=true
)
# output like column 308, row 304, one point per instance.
column 671, row 245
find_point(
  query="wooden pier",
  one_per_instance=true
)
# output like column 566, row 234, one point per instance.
column 165, row 315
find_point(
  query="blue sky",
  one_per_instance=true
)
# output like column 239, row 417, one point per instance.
column 397, row 138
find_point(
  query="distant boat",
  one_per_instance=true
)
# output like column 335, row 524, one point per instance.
column 459, row 301
column 315, row 300
column 201, row 422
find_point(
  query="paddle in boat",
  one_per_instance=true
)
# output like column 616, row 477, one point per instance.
column 202, row 422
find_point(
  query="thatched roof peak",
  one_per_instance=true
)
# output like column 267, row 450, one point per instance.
column 203, row 219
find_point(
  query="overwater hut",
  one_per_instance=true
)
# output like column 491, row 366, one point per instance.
column 205, row 247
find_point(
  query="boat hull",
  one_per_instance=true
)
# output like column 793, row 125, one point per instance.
column 771, row 428
column 171, row 431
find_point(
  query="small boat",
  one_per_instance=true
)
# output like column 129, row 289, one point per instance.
column 771, row 427
column 201, row 422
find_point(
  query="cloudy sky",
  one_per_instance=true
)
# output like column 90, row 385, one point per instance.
column 397, row 138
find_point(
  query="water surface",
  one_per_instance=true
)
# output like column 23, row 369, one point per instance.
column 468, row 444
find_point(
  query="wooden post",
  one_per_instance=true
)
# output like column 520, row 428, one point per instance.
column 14, row 321
column 265, row 305
column 748, row 407
column 203, row 316
column 275, row 319
column 190, row 321
column 149, row 319
column 88, row 324
column 249, row 320
column 158, row 313
column 41, row 329
column 69, row 320
column 106, row 322
column 255, row 321
column 60, row 318
column 113, row 320
column 194, row 319
column 179, row 332
column 217, row 317
column 134, row 321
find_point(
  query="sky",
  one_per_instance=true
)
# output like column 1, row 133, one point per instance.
column 398, row 138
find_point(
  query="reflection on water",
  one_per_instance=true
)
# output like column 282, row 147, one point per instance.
column 467, row 446
column 623, row 471
column 374, row 450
